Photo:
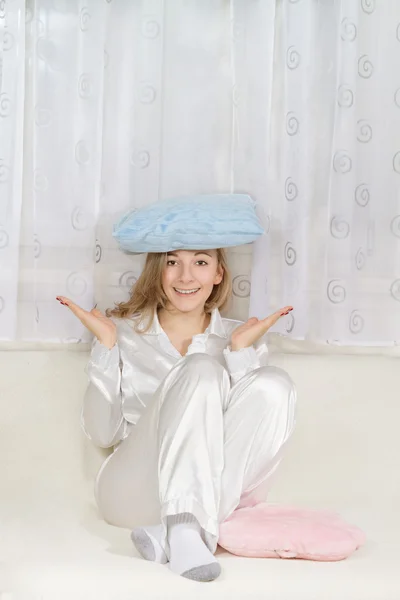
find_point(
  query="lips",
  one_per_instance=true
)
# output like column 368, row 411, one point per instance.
column 186, row 294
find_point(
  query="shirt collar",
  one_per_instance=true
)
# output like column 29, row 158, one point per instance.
column 216, row 326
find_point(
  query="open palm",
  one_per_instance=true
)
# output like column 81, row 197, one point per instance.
column 101, row 326
column 251, row 331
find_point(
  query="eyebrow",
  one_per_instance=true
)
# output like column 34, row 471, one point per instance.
column 196, row 253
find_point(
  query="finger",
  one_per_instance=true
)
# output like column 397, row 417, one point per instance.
column 275, row 316
column 281, row 312
column 75, row 308
column 272, row 319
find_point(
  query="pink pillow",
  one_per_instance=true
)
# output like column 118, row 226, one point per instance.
column 270, row 531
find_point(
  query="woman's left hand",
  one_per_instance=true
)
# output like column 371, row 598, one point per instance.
column 247, row 334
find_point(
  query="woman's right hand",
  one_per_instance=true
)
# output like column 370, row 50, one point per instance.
column 101, row 326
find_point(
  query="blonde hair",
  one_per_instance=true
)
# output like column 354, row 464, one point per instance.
column 147, row 294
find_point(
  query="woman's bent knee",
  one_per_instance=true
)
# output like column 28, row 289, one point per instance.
column 274, row 388
column 274, row 378
column 200, row 358
column 196, row 378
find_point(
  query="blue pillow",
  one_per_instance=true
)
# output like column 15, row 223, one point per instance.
column 189, row 223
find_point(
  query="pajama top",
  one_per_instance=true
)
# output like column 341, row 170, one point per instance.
column 123, row 380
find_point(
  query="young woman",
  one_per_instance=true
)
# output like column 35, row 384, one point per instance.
column 198, row 419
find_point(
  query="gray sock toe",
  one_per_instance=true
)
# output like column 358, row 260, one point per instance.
column 204, row 572
column 143, row 544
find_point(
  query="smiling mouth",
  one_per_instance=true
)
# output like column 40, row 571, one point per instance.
column 186, row 292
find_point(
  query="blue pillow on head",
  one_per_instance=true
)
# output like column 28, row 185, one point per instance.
column 190, row 223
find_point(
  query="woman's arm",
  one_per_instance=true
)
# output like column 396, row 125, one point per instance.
column 101, row 418
column 249, row 346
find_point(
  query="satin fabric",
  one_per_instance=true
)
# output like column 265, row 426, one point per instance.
column 208, row 438
column 123, row 380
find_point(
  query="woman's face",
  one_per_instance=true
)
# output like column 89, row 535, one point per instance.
column 194, row 272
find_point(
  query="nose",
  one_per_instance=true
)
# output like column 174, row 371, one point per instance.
column 185, row 275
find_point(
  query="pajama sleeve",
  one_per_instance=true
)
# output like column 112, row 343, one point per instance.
column 101, row 418
column 244, row 361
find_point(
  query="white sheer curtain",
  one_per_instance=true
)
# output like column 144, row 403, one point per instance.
column 12, row 68
column 325, row 167
column 106, row 104
column 125, row 102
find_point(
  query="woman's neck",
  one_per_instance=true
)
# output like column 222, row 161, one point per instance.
column 185, row 324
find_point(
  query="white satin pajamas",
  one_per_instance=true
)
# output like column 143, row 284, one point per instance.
column 205, row 443
column 200, row 447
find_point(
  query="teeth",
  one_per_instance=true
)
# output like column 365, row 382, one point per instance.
column 187, row 291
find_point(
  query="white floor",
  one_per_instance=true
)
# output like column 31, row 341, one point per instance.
column 345, row 455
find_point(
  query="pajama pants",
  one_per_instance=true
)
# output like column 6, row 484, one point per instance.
column 201, row 446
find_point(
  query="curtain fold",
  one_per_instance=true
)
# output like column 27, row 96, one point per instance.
column 12, row 94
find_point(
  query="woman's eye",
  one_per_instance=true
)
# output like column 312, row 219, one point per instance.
column 199, row 261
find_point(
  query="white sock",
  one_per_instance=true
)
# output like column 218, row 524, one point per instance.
column 147, row 541
column 189, row 555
